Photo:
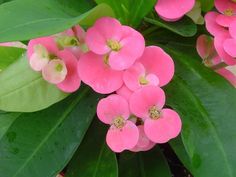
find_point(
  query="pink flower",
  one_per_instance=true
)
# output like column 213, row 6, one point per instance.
column 94, row 71
column 144, row 143
column 173, row 10
column 154, row 67
column 122, row 45
column 123, row 134
column 160, row 125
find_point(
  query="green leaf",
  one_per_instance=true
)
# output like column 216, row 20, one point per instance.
column 130, row 12
column 144, row 164
column 93, row 158
column 206, row 103
column 8, row 55
column 41, row 143
column 26, row 19
column 24, row 90
column 184, row 27
column 206, row 5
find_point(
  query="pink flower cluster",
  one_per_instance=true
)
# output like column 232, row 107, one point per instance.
column 219, row 52
column 173, row 10
column 112, row 59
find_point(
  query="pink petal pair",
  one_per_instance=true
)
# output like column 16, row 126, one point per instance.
column 154, row 67
column 122, row 45
column 123, row 134
column 160, row 125
column 94, row 71
column 58, row 67
column 173, row 10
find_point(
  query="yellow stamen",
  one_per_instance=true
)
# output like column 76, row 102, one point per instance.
column 154, row 113
column 106, row 59
column 119, row 122
column 143, row 80
column 114, row 45
column 59, row 67
column 229, row 12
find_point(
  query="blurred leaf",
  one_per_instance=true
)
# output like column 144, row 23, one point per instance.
column 8, row 55
column 206, row 5
column 144, row 164
column 93, row 158
column 41, row 143
column 24, row 90
column 130, row 12
column 26, row 19
column 206, row 103
column 184, row 27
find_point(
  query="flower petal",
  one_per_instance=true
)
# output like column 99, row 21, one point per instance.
column 95, row 73
column 72, row 80
column 218, row 43
column 168, row 126
column 111, row 107
column 144, row 98
column 48, row 42
column 157, row 61
column 122, row 139
column 173, row 9
column 212, row 27
column 125, row 92
column 55, row 71
column 144, row 144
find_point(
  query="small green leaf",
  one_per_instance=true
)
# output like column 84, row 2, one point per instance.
column 41, row 143
column 8, row 55
column 144, row 164
column 184, row 27
column 26, row 19
column 24, row 90
column 130, row 12
column 93, row 158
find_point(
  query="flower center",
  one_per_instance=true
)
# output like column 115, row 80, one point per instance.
column 59, row 67
column 114, row 45
column 154, row 113
column 207, row 62
column 233, row 0
column 229, row 11
column 119, row 122
column 143, row 80
column 66, row 41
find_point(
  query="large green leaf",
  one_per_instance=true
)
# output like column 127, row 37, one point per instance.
column 130, row 12
column 144, row 164
column 206, row 103
column 27, row 19
column 8, row 55
column 41, row 143
column 24, row 90
column 184, row 27
column 93, row 158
